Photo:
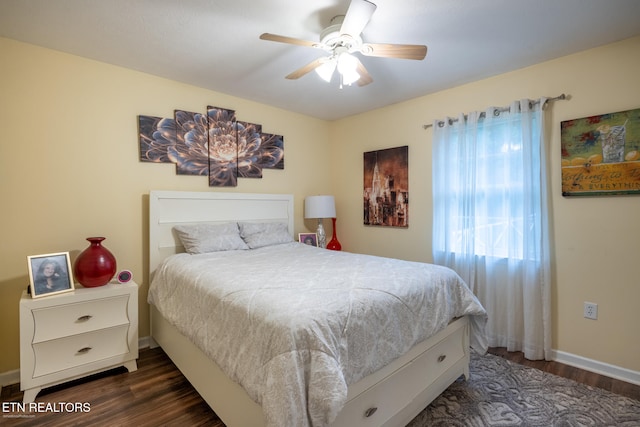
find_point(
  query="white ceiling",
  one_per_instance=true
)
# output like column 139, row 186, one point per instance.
column 214, row 44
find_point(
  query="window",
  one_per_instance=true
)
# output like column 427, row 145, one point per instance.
column 482, row 184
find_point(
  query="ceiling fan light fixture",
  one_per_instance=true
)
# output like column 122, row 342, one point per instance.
column 347, row 67
column 347, row 63
column 350, row 77
column 340, row 40
column 325, row 71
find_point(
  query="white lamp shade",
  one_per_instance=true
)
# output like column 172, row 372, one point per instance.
column 347, row 67
column 350, row 77
column 347, row 63
column 319, row 207
column 325, row 71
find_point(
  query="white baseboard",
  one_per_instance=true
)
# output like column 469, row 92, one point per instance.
column 143, row 342
column 9, row 377
column 596, row 366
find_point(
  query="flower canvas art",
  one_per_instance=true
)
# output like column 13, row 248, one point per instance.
column 214, row 144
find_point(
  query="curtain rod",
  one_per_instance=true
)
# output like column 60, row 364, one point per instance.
column 559, row 97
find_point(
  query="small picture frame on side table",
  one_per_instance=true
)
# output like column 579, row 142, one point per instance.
column 310, row 239
column 50, row 274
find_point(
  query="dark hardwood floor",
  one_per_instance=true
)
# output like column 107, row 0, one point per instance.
column 580, row 375
column 155, row 395
column 158, row 395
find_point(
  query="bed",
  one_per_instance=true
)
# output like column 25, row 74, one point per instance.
column 345, row 361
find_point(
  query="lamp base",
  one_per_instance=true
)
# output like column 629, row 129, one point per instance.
column 322, row 237
column 333, row 244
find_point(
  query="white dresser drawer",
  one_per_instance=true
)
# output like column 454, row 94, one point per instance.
column 77, row 318
column 69, row 352
column 376, row 406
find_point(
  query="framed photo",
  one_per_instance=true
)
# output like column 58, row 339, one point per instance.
column 308, row 238
column 50, row 274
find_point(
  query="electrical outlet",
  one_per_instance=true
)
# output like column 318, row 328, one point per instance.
column 590, row 310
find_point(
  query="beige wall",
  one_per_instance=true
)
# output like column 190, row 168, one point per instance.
column 69, row 168
column 69, row 164
column 596, row 240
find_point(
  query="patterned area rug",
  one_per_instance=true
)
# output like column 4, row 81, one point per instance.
column 502, row 393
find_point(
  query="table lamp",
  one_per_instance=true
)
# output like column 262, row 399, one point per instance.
column 320, row 207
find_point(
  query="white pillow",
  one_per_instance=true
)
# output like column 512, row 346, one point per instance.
column 259, row 234
column 203, row 238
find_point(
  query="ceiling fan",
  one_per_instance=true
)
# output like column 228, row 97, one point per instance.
column 341, row 40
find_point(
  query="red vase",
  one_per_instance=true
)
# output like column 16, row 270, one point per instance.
column 333, row 244
column 95, row 266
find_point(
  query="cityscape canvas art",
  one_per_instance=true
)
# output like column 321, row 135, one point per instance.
column 386, row 187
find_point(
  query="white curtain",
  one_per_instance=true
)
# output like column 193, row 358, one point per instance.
column 491, row 218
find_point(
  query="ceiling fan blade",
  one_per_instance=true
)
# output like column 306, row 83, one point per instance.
column 288, row 40
column 307, row 68
column 357, row 17
column 400, row 51
column 365, row 77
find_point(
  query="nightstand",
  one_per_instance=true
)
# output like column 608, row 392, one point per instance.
column 75, row 334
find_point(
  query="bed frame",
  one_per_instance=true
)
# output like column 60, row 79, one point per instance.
column 392, row 396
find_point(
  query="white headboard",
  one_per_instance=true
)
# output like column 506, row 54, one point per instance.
column 169, row 208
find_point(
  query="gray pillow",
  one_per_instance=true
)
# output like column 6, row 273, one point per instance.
column 260, row 234
column 203, row 238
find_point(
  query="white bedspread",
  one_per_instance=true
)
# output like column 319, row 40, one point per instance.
column 295, row 325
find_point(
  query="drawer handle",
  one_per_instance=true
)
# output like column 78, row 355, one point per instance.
column 370, row 412
column 84, row 350
column 84, row 318
column 441, row 358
